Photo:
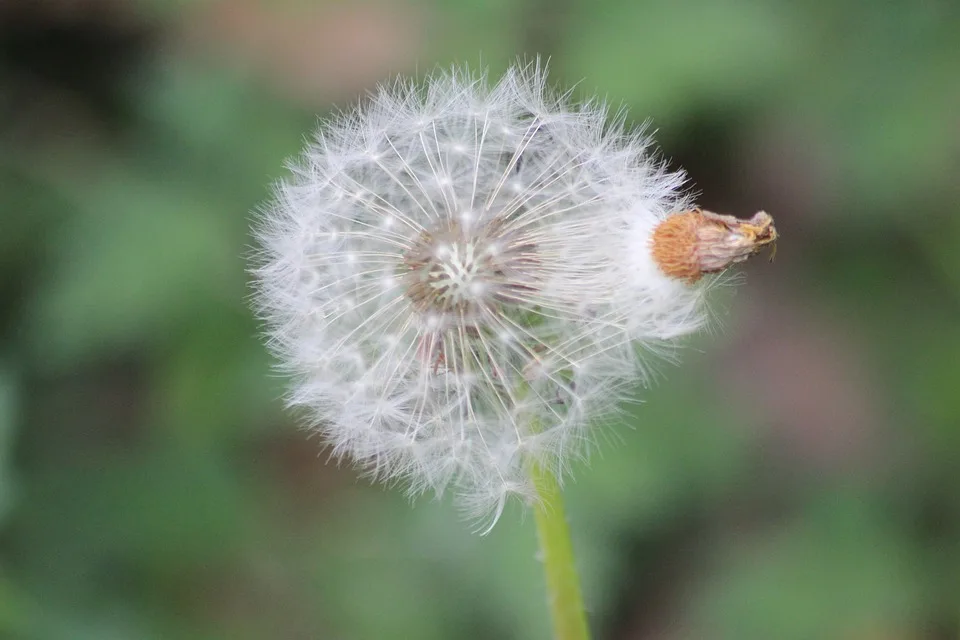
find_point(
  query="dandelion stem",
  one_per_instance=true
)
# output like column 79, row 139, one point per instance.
column 556, row 551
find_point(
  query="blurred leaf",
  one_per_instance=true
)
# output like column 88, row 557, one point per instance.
column 155, row 519
column 838, row 569
column 215, row 133
column 419, row 571
column 930, row 381
column 9, row 421
column 18, row 614
column 667, row 59
column 215, row 386
column 663, row 455
column 140, row 259
column 27, row 206
column 481, row 33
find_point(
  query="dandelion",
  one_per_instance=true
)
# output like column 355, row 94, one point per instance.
column 463, row 278
column 458, row 277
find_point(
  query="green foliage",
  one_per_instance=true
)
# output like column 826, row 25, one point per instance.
column 152, row 486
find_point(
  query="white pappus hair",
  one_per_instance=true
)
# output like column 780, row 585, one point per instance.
column 457, row 276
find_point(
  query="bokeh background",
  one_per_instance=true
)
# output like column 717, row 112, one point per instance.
column 797, row 477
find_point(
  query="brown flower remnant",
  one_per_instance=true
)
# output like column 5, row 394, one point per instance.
column 689, row 244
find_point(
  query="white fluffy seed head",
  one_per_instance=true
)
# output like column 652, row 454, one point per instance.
column 457, row 276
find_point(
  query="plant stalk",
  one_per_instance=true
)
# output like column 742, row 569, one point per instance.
column 556, row 552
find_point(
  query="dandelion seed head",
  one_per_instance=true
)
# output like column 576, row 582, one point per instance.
column 456, row 275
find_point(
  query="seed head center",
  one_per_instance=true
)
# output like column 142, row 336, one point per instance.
column 464, row 269
column 458, row 273
column 450, row 271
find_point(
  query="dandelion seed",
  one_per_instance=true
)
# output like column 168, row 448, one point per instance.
column 466, row 300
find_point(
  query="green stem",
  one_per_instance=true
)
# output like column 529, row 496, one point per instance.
column 556, row 551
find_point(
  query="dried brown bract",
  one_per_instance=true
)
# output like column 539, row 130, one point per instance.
column 689, row 244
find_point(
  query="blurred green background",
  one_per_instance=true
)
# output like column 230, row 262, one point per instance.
column 797, row 477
